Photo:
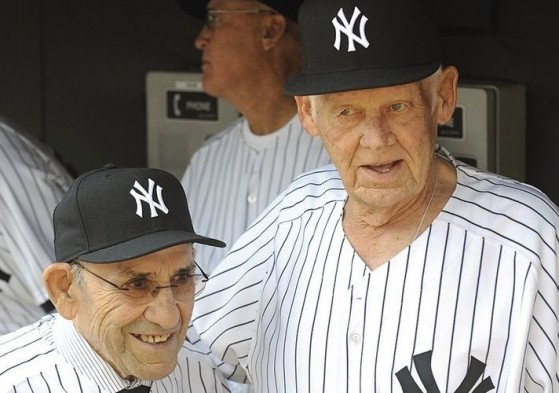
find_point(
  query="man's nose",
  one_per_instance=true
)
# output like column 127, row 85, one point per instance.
column 376, row 132
column 163, row 308
column 201, row 40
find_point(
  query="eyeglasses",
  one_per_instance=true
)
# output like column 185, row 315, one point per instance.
column 183, row 285
column 212, row 16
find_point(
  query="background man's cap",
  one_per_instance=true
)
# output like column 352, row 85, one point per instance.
column 197, row 8
column 114, row 214
column 363, row 44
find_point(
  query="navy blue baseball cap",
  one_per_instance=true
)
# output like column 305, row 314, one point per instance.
column 363, row 44
column 114, row 214
column 197, row 8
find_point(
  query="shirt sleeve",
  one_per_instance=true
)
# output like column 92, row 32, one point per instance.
column 226, row 312
column 542, row 361
column 32, row 182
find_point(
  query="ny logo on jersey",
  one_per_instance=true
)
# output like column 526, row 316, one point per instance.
column 347, row 29
column 147, row 197
column 422, row 363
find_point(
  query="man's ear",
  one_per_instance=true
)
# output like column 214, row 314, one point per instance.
column 304, row 108
column 447, row 95
column 273, row 30
column 61, row 288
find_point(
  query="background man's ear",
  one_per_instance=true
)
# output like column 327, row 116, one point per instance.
column 273, row 30
column 61, row 285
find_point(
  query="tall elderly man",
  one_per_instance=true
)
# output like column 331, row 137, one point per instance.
column 398, row 268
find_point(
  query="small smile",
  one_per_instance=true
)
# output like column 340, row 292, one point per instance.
column 153, row 339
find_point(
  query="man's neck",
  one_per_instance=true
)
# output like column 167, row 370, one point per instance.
column 265, row 106
column 266, row 120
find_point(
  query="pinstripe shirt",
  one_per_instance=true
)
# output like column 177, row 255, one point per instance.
column 50, row 356
column 31, row 184
column 470, row 306
column 236, row 174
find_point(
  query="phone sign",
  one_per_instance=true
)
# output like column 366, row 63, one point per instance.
column 188, row 105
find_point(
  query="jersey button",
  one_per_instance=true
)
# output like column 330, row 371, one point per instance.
column 251, row 199
column 356, row 338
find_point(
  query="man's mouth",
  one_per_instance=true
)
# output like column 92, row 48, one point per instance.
column 153, row 339
column 383, row 168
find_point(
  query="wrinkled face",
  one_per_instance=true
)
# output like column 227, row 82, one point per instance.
column 231, row 46
column 381, row 140
column 139, row 339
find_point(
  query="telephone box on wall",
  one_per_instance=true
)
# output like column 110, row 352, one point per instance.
column 488, row 128
column 180, row 117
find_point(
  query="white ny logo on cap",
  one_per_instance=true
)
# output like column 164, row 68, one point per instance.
column 347, row 29
column 147, row 197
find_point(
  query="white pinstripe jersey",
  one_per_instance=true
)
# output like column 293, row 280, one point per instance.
column 236, row 174
column 31, row 184
column 50, row 356
column 470, row 306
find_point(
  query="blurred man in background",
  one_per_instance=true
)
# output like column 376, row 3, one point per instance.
column 32, row 181
column 249, row 50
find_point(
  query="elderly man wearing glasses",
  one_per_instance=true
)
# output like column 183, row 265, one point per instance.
column 249, row 51
column 123, row 287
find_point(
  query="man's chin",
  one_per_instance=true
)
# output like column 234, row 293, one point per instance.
column 153, row 372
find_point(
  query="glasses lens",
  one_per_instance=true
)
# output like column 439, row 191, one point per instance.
column 140, row 288
column 211, row 20
column 185, row 286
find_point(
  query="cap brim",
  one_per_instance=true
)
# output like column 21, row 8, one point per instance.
column 145, row 245
column 358, row 79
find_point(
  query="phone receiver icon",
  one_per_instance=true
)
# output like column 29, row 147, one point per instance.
column 176, row 101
